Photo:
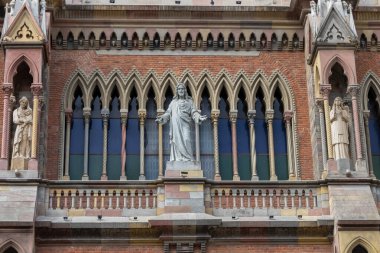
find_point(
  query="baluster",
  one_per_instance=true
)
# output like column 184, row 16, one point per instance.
column 286, row 200
column 51, row 194
column 299, row 200
column 73, row 200
column 147, row 200
column 212, row 194
column 315, row 200
column 307, row 200
column 292, row 196
column 88, row 200
column 248, row 199
column 65, row 197
column 256, row 200
column 139, row 195
column 270, row 199
column 117, row 199
column 110, row 198
column 125, row 200
column 58, row 201
column 133, row 200
column 263, row 196
column 242, row 200
column 220, row 199
column 102, row 197
column 80, row 199
column 234, row 199
column 154, row 200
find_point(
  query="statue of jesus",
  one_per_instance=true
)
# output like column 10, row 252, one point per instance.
column 180, row 113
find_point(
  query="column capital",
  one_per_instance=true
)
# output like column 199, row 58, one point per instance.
column 251, row 116
column 68, row 114
column 86, row 112
column 325, row 90
column 41, row 102
column 288, row 115
column 215, row 115
column 366, row 114
column 233, row 115
column 160, row 112
column 142, row 115
column 319, row 103
column 105, row 112
column 269, row 114
column 353, row 90
column 7, row 88
column 36, row 89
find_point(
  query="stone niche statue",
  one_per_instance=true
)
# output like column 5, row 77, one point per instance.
column 181, row 112
column 339, row 118
column 22, row 143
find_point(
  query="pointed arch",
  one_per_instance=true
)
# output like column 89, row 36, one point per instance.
column 151, row 82
column 133, row 81
column 348, row 71
column 223, row 80
column 242, row 82
column 278, row 81
column 12, row 70
column 114, row 81
column 371, row 80
column 190, row 82
column 360, row 241
column 77, row 80
column 11, row 244
column 168, row 81
column 205, row 82
column 95, row 80
column 259, row 80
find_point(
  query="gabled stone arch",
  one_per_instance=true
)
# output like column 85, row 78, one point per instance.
column 168, row 80
column 360, row 241
column 242, row 82
column 223, row 81
column 78, row 79
column 370, row 80
column 96, row 80
column 12, row 70
column 115, row 80
column 151, row 82
column 259, row 80
column 348, row 71
column 205, row 82
column 133, row 81
column 188, row 79
column 10, row 243
column 277, row 81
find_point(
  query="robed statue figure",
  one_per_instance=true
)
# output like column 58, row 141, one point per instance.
column 339, row 118
column 181, row 112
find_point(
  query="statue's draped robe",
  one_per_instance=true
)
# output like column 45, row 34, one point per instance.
column 23, row 133
column 339, row 133
column 181, row 113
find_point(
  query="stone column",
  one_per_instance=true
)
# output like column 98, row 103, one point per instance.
column 288, row 115
column 7, row 90
column 197, row 144
column 269, row 119
column 325, row 90
column 252, row 136
column 105, row 116
column 142, row 116
column 214, row 118
column 233, row 118
column 368, row 140
column 323, row 135
column 68, row 118
column 36, row 91
column 353, row 90
column 160, row 147
column 123, row 154
column 86, row 115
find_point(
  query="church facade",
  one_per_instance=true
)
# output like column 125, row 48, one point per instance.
column 286, row 159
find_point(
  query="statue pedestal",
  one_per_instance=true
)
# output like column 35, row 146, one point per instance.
column 19, row 163
column 183, row 189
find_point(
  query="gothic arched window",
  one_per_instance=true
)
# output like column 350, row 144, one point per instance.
column 261, row 133
column 225, row 139
column 77, row 137
column 166, row 127
column 151, row 138
column 133, row 139
column 374, row 131
column 206, row 140
column 359, row 249
column 114, row 138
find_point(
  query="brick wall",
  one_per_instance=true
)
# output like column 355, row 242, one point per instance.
column 65, row 62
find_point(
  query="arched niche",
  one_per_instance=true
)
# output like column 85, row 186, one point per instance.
column 338, row 81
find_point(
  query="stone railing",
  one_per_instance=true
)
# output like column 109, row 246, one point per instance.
column 111, row 200
column 269, row 199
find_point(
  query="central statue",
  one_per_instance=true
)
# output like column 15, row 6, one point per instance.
column 181, row 112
